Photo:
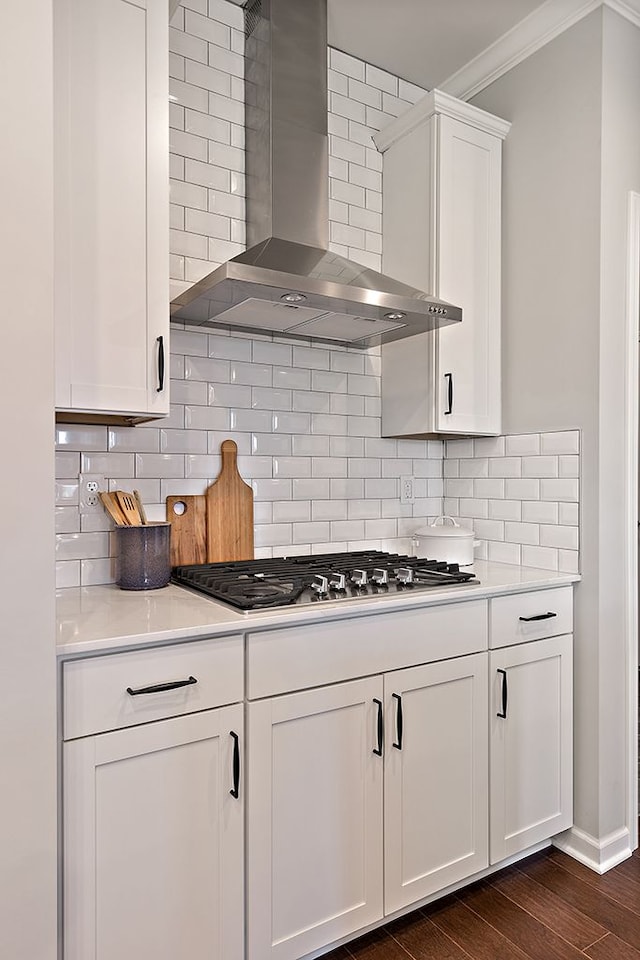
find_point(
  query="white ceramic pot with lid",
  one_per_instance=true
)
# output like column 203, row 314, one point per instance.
column 445, row 539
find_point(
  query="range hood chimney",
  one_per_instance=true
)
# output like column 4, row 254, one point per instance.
column 288, row 282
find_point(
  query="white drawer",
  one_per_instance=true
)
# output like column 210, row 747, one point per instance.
column 530, row 616
column 94, row 691
column 280, row 661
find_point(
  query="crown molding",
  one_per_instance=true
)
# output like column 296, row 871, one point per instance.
column 528, row 36
column 437, row 102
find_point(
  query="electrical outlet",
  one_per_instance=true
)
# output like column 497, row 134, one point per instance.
column 406, row 490
column 90, row 485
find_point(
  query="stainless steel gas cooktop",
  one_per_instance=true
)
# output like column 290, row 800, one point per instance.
column 331, row 577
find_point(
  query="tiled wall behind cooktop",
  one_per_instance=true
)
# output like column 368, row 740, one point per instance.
column 307, row 424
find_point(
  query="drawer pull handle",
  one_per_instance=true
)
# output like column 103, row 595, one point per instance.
column 380, row 728
column 539, row 616
column 398, row 743
column 503, row 714
column 235, row 790
column 160, row 687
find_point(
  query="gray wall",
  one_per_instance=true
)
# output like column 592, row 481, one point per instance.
column 27, row 652
column 569, row 161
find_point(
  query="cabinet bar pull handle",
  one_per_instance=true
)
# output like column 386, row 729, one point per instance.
column 378, row 750
column 160, row 342
column 398, row 744
column 449, row 377
column 503, row 715
column 539, row 616
column 160, row 687
column 236, row 765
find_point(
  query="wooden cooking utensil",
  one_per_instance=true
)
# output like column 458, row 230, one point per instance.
column 229, row 511
column 140, row 506
column 110, row 504
column 188, row 529
column 129, row 508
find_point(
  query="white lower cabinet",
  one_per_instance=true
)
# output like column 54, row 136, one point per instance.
column 314, row 842
column 321, row 764
column 153, row 841
column 531, row 739
column 436, row 752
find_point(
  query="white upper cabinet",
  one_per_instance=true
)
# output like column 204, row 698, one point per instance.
column 442, row 234
column 111, row 207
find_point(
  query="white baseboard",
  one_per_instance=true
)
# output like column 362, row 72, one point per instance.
column 598, row 855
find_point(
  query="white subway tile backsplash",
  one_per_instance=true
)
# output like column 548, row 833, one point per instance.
column 74, row 436
column 292, row 467
column 313, row 532
column 504, row 467
column 182, row 441
column 543, row 557
column 565, row 490
column 476, row 467
column 539, row 511
column 291, row 378
column 505, row 510
column 78, row 546
column 490, row 529
column 501, row 552
column 456, row 449
column 292, row 511
column 459, row 488
column 522, row 532
column 564, row 442
column 67, row 520
column 108, row 464
column 206, row 418
column 568, row 514
column 162, row 465
column 474, row 508
column 346, row 405
column 291, row 422
column 329, row 509
column 539, row 466
column 364, row 510
column 67, row 465
column 67, row 573
column 568, row 466
column 559, row 536
column 303, row 489
column 568, row 561
column 273, row 534
column 522, row 489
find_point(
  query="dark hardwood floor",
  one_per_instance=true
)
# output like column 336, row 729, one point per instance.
column 547, row 907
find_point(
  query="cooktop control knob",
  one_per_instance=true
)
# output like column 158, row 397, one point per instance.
column 359, row 577
column 338, row 582
column 404, row 575
column 380, row 576
column 320, row 585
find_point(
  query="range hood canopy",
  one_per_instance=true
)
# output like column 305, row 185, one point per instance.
column 288, row 282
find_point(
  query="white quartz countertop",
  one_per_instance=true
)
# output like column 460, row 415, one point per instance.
column 105, row 618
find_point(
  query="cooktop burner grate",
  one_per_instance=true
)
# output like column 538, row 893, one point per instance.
column 260, row 584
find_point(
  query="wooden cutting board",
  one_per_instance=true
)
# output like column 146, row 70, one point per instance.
column 229, row 511
column 188, row 517
column 218, row 525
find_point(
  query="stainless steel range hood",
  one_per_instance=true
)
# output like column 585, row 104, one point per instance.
column 288, row 282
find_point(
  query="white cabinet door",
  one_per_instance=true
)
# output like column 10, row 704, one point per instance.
column 436, row 767
column 111, row 206
column 468, row 274
column 314, row 843
column 153, row 841
column 531, row 756
column 442, row 234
